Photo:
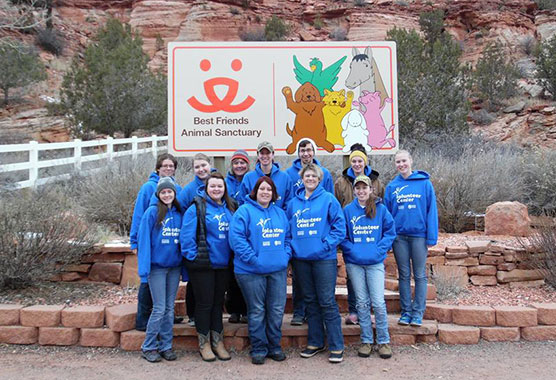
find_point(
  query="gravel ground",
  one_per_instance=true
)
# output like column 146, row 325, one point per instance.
column 521, row 360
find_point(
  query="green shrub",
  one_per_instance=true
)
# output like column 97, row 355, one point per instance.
column 318, row 23
column 539, row 176
column 546, row 65
column 275, row 29
column 546, row 4
column 494, row 78
column 432, row 25
column 39, row 236
column 50, row 40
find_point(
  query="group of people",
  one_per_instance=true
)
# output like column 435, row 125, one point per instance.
column 232, row 238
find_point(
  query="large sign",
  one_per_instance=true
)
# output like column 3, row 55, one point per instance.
column 228, row 96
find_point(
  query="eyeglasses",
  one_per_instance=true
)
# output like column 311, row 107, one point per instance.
column 168, row 166
column 305, row 150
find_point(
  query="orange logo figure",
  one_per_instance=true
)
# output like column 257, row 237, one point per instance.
column 224, row 104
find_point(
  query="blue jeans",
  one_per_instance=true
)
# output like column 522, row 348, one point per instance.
column 297, row 295
column 144, row 306
column 368, row 285
column 318, row 281
column 265, row 296
column 412, row 251
column 163, row 283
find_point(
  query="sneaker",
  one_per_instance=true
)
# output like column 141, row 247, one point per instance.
column 404, row 320
column 416, row 321
column 351, row 319
column 191, row 322
column 234, row 318
column 243, row 319
column 257, row 360
column 151, row 356
column 336, row 357
column 168, row 355
column 311, row 351
column 384, row 351
column 277, row 356
column 297, row 320
column 178, row 320
column 365, row 350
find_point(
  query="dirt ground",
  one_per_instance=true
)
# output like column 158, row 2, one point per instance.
column 521, row 360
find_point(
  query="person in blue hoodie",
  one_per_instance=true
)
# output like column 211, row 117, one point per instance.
column 411, row 200
column 165, row 166
column 235, row 304
column 159, row 265
column 260, row 237
column 207, row 253
column 318, row 226
column 343, row 190
column 370, row 233
column 267, row 167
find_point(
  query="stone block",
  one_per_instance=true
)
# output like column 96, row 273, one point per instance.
column 132, row 340
column 83, row 316
column 427, row 339
column 80, row 268
column 58, row 336
column 18, row 334
column 116, row 248
column 482, row 270
column 507, row 218
column 477, row 246
column 121, row 317
column 466, row 262
column 506, row 266
column 129, row 272
column 515, row 316
column 546, row 313
column 538, row 333
column 436, row 260
column 106, row 272
column 454, row 334
column 182, row 288
column 402, row 340
column 427, row 328
column 179, row 308
column 526, row 284
column 391, row 284
column 490, row 260
column 99, row 338
column 41, row 315
column 188, row 343
column 456, row 255
column 9, row 314
column 519, row 275
column 490, row 253
column 500, row 334
column 71, row 276
column 474, row 315
column 497, row 248
column 451, row 273
column 241, row 343
column 484, row 280
column 185, row 330
column 437, row 251
column 103, row 258
column 456, row 249
column 439, row 312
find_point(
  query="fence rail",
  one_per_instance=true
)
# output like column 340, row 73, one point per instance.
column 109, row 153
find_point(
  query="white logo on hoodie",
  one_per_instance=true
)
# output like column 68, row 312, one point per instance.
column 223, row 225
column 167, row 230
column 404, row 198
column 305, row 222
column 269, row 232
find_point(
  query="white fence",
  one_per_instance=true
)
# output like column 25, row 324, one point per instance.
column 109, row 153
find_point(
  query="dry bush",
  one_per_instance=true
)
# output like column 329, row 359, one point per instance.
column 543, row 241
column 39, row 236
column 448, row 285
column 539, row 176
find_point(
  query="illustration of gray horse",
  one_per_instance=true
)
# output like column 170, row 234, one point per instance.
column 364, row 74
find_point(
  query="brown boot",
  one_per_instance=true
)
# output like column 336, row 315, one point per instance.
column 217, row 343
column 204, row 348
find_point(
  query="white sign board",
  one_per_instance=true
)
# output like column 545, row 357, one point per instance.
column 225, row 96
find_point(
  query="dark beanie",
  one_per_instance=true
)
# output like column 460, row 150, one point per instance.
column 165, row 183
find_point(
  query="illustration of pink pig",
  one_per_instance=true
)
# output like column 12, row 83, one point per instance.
column 369, row 105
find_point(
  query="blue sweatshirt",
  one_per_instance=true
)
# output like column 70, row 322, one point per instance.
column 412, row 203
column 158, row 244
column 217, row 222
column 368, row 240
column 317, row 225
column 233, row 186
column 260, row 238
column 281, row 180
column 192, row 189
column 293, row 172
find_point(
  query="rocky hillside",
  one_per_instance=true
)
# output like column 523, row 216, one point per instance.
column 474, row 23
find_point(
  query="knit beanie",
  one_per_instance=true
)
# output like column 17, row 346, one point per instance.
column 165, row 183
column 241, row 154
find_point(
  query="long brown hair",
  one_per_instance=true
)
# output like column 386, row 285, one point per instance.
column 370, row 204
column 162, row 209
column 230, row 203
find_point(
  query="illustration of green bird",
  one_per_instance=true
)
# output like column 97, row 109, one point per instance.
column 321, row 79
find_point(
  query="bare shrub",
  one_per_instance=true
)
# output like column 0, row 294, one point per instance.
column 544, row 242
column 50, row 40
column 448, row 285
column 39, row 236
column 253, row 34
column 539, row 177
column 483, row 117
column 338, row 34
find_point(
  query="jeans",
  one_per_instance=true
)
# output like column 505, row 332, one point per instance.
column 297, row 295
column 265, row 295
column 144, row 307
column 163, row 283
column 411, row 249
column 209, row 287
column 368, row 285
column 352, row 308
column 318, row 280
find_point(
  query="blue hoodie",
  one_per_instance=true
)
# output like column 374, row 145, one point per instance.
column 260, row 238
column 317, row 225
column 368, row 240
column 217, row 221
column 158, row 244
column 192, row 189
column 233, row 186
column 412, row 203
column 281, row 180
column 293, row 172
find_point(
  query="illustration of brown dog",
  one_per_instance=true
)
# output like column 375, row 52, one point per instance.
column 309, row 121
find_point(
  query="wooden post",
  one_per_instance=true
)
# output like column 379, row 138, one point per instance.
column 220, row 164
column 34, row 162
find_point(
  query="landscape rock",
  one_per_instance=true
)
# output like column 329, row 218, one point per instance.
column 538, row 333
column 500, row 334
column 58, row 336
column 83, row 316
column 507, row 218
column 515, row 316
column 546, row 313
column 483, row 280
column 121, row 317
column 482, row 270
column 9, row 314
column 519, row 275
column 99, row 338
column 106, row 272
column 18, row 334
column 474, row 315
column 41, row 315
column 454, row 334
